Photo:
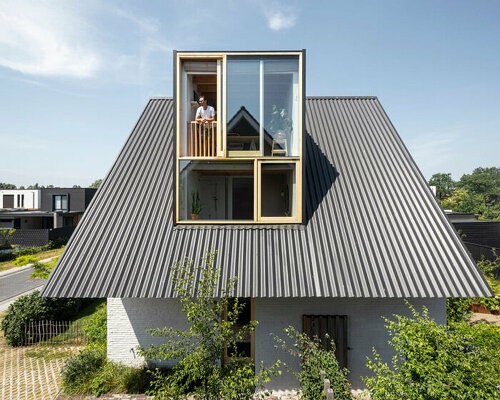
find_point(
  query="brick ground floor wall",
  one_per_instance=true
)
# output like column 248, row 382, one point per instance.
column 128, row 320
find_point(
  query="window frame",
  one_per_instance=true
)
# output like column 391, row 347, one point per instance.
column 222, row 153
column 54, row 202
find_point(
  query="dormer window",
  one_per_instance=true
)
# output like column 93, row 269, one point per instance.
column 245, row 164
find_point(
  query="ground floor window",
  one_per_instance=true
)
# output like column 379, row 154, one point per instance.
column 333, row 326
column 245, row 348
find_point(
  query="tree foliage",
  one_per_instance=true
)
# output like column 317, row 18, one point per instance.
column 435, row 361
column 476, row 193
column 199, row 370
column 4, row 185
column 314, row 360
column 444, row 185
column 96, row 184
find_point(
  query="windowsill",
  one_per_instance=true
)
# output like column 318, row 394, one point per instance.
column 270, row 158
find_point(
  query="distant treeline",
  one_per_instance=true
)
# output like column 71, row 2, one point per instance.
column 3, row 185
column 476, row 193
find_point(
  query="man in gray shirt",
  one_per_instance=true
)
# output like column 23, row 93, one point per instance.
column 204, row 113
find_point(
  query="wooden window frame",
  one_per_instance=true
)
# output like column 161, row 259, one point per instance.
column 221, row 152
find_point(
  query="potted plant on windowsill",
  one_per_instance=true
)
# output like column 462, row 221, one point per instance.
column 195, row 205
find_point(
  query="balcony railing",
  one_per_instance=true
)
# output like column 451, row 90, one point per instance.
column 202, row 139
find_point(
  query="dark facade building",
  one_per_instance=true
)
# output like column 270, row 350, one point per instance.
column 33, row 213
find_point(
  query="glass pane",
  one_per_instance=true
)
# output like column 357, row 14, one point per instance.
column 64, row 202
column 243, row 107
column 281, row 106
column 278, row 190
column 216, row 191
column 57, row 203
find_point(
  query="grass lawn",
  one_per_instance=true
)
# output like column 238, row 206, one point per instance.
column 4, row 266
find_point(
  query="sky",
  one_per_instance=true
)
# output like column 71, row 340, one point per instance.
column 75, row 75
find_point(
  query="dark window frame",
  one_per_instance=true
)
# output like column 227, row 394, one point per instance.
column 54, row 201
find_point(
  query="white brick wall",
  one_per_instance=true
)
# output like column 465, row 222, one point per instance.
column 129, row 318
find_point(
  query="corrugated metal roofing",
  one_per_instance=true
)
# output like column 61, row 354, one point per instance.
column 373, row 227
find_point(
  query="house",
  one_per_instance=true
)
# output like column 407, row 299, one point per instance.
column 481, row 237
column 328, row 236
column 39, row 215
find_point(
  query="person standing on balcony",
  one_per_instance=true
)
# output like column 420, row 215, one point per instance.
column 205, row 113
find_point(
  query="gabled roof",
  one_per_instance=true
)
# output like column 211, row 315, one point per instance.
column 373, row 228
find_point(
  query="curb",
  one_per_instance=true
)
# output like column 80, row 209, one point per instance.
column 4, row 305
column 23, row 268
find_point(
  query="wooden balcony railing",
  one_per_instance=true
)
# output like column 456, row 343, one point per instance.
column 202, row 139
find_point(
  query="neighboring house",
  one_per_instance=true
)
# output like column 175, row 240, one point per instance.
column 33, row 213
column 328, row 237
column 480, row 236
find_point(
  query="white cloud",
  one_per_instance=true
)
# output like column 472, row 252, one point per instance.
column 47, row 38
column 278, row 20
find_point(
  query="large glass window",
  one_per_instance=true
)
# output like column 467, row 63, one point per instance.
column 262, row 106
column 216, row 191
column 278, row 190
column 243, row 107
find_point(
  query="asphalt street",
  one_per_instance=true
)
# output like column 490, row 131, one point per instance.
column 17, row 283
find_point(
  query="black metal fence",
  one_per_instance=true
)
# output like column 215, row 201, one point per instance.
column 38, row 237
column 54, row 332
column 479, row 251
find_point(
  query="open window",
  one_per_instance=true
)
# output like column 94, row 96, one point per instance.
column 200, row 78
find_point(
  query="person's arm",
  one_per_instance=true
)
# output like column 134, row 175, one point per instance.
column 198, row 115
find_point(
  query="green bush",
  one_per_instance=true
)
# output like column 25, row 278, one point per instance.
column 96, row 330
column 458, row 308
column 315, row 359
column 23, row 260
column 53, row 244
column 80, row 370
column 89, row 372
column 436, row 361
column 32, row 308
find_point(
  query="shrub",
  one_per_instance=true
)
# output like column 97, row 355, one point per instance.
column 88, row 372
column 32, row 308
column 435, row 361
column 458, row 308
column 80, row 370
column 95, row 330
column 23, row 260
column 315, row 359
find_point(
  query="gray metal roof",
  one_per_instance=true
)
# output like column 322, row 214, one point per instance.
column 372, row 229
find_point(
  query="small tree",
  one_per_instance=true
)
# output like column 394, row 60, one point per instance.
column 435, row 361
column 6, row 235
column 199, row 349
column 314, row 360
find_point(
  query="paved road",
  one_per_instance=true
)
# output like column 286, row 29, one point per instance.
column 17, row 283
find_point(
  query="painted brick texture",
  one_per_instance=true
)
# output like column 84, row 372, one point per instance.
column 128, row 320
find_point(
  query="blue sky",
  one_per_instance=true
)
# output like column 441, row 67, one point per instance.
column 75, row 75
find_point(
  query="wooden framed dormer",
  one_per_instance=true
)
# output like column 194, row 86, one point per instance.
column 245, row 167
